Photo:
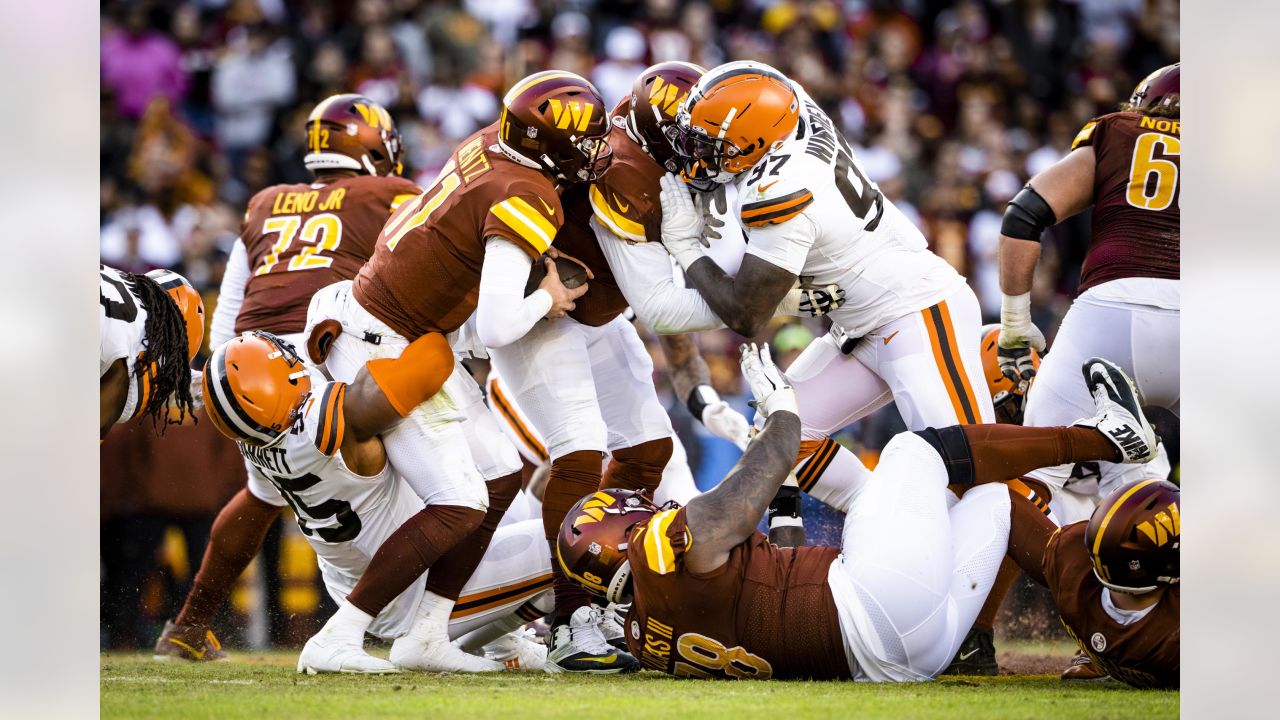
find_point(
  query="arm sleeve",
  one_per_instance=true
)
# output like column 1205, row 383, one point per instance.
column 785, row 245
column 503, row 313
column 230, row 296
column 646, row 277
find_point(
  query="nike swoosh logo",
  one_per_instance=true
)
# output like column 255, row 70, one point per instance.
column 886, row 342
column 197, row 654
column 966, row 656
column 622, row 207
column 766, row 186
column 602, row 660
column 550, row 211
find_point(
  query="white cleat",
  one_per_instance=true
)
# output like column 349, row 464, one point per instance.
column 438, row 655
column 611, row 619
column 326, row 654
column 518, row 651
column 1119, row 416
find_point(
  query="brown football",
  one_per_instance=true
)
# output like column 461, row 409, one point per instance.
column 571, row 274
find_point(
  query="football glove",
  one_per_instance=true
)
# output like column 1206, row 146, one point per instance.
column 809, row 300
column 1017, row 336
column 681, row 222
column 771, row 389
column 710, row 204
column 723, row 421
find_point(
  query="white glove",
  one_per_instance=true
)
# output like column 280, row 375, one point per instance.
column 681, row 222
column 723, row 421
column 805, row 300
column 1018, row 335
column 771, row 389
column 197, row 390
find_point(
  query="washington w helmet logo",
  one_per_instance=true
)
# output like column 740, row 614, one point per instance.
column 666, row 97
column 575, row 114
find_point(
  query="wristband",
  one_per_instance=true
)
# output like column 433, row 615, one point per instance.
column 699, row 398
column 784, row 509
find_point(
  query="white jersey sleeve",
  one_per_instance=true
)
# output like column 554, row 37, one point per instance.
column 230, row 296
column 122, row 322
column 646, row 277
column 775, row 206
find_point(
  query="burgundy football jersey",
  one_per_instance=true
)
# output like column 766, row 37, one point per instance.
column 1144, row 653
column 766, row 613
column 1136, row 192
column 302, row 237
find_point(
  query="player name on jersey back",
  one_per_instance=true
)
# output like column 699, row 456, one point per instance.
column 300, row 238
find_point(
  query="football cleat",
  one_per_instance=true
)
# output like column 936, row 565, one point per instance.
column 437, row 654
column 611, row 621
column 188, row 642
column 325, row 653
column 519, row 650
column 976, row 656
column 578, row 646
column 1119, row 417
column 1082, row 668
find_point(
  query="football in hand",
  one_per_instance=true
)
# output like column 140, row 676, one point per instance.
column 572, row 273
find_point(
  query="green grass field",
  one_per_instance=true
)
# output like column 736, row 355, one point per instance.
column 262, row 687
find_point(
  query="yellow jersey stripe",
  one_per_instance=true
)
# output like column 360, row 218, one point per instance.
column 1085, row 134
column 527, row 222
column 657, row 546
column 399, row 200
column 620, row 225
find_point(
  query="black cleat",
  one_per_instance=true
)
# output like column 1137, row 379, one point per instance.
column 976, row 656
column 577, row 646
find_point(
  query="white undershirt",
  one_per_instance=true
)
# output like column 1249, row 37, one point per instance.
column 503, row 313
column 230, row 296
column 1120, row 615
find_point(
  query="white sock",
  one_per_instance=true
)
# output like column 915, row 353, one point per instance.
column 348, row 621
column 432, row 620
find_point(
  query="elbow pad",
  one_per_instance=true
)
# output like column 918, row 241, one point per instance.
column 1027, row 215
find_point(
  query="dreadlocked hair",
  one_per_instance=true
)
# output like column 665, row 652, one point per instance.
column 164, row 362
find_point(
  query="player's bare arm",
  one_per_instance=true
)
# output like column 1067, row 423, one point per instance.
column 691, row 380
column 747, row 302
column 724, row 517
column 1067, row 188
column 113, row 390
column 688, row 369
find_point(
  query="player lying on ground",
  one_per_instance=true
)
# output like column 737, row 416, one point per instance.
column 150, row 327
column 713, row 598
column 1114, row 579
column 313, row 444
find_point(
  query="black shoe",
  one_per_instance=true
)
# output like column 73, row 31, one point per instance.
column 576, row 645
column 976, row 656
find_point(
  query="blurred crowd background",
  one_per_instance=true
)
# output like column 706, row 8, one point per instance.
column 951, row 107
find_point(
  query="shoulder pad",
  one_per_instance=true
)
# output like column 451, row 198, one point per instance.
column 665, row 539
column 529, row 212
column 625, row 201
column 326, row 422
column 776, row 188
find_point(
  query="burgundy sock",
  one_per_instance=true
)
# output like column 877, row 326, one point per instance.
column 417, row 545
column 453, row 570
column 235, row 539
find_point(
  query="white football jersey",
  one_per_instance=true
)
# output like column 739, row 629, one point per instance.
column 345, row 516
column 808, row 207
column 122, row 329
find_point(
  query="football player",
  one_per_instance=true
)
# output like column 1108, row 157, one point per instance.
column 1114, row 578
column 1126, row 166
column 908, row 327
column 585, row 382
column 150, row 328
column 295, row 239
column 313, row 444
column 465, row 245
column 713, row 598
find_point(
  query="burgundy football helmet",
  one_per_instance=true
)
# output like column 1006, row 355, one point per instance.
column 1159, row 88
column 352, row 132
column 1133, row 537
column 592, row 545
column 655, row 98
column 556, row 121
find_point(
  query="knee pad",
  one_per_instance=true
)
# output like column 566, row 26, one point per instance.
column 953, row 447
column 639, row 467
